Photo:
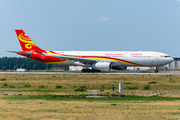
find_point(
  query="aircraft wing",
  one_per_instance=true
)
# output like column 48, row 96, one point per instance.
column 76, row 58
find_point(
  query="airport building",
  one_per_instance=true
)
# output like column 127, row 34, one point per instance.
column 21, row 70
column 174, row 65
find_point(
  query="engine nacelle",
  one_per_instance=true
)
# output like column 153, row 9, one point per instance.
column 102, row 66
column 119, row 67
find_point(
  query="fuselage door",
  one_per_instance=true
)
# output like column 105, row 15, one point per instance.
column 125, row 56
column 156, row 56
column 42, row 56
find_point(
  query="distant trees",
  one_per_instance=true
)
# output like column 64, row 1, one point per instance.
column 13, row 63
column 34, row 67
column 4, row 68
column 15, row 67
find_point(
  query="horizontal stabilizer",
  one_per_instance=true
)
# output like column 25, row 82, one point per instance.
column 27, row 54
column 13, row 51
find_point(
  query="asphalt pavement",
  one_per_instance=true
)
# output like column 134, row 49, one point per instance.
column 105, row 73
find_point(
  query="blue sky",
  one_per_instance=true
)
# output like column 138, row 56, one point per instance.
column 94, row 25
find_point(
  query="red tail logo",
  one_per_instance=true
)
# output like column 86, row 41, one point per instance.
column 26, row 43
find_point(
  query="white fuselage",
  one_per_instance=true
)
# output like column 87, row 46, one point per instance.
column 97, row 60
column 122, row 58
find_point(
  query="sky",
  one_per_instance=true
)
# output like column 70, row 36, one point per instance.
column 94, row 25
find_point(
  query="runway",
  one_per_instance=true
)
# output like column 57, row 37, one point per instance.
column 103, row 73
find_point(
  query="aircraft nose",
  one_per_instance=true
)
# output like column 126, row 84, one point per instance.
column 171, row 60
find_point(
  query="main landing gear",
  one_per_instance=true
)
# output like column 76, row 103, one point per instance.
column 86, row 70
column 89, row 70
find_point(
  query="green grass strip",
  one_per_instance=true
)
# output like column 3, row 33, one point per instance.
column 82, row 97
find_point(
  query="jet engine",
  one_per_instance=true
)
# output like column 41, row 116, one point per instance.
column 119, row 67
column 101, row 66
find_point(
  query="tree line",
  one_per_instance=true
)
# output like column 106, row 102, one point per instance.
column 12, row 63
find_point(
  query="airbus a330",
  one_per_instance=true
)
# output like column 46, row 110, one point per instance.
column 95, row 61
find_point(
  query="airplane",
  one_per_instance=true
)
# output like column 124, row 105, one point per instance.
column 91, row 61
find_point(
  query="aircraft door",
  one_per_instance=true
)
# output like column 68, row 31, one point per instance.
column 42, row 56
column 156, row 56
column 125, row 56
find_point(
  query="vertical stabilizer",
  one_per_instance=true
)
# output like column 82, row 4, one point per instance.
column 26, row 43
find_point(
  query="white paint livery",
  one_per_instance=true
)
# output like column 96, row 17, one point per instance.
column 106, row 60
column 91, row 60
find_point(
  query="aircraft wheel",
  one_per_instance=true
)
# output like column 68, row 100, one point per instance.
column 83, row 70
column 95, row 70
column 89, row 70
column 156, row 71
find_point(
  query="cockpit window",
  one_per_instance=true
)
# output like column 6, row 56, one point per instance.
column 167, row 56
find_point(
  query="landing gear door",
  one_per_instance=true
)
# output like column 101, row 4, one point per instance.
column 156, row 56
column 125, row 56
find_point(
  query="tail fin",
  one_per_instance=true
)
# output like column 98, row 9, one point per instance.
column 26, row 43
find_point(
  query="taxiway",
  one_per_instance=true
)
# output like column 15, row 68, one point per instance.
column 103, row 73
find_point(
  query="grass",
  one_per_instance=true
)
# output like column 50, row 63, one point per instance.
column 92, row 81
column 80, row 89
column 5, row 84
column 113, row 104
column 60, row 107
column 80, row 97
column 38, row 90
column 76, row 106
column 48, row 83
column 3, row 79
column 27, row 85
column 146, row 87
column 127, row 83
column 41, row 86
column 153, row 82
column 58, row 87
column 132, row 87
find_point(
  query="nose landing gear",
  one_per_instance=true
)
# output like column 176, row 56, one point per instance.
column 156, row 71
